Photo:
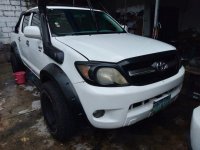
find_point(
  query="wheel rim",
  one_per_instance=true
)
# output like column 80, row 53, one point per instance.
column 49, row 112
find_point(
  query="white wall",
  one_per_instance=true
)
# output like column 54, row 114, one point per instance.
column 10, row 11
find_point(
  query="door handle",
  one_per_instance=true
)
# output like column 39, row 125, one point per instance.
column 40, row 48
column 19, row 39
column 27, row 43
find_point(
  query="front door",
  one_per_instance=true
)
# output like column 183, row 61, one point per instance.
column 36, row 51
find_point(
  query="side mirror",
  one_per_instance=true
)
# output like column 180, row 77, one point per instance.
column 125, row 27
column 32, row 32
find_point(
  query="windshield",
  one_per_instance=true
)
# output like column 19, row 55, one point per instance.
column 64, row 22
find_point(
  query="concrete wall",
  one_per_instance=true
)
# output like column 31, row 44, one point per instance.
column 10, row 11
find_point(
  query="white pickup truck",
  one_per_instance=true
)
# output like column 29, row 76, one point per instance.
column 90, row 66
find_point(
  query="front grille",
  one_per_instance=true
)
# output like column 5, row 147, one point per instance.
column 151, row 68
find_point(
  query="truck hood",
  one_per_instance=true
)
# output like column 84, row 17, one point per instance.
column 113, row 47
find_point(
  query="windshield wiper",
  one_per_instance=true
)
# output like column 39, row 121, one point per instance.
column 76, row 33
column 87, row 33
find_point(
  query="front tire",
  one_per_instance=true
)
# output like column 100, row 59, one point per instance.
column 56, row 112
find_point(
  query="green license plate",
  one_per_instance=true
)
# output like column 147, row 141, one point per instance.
column 161, row 104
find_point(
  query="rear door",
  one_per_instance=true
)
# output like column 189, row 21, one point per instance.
column 23, row 41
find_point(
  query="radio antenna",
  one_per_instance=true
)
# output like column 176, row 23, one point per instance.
column 103, row 7
column 93, row 14
column 73, row 3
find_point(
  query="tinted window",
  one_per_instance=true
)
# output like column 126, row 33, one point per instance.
column 59, row 23
column 68, row 22
column 25, row 21
column 36, row 21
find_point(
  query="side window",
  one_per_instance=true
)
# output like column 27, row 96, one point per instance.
column 36, row 20
column 25, row 21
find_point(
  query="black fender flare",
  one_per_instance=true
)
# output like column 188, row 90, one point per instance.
column 14, row 48
column 54, row 73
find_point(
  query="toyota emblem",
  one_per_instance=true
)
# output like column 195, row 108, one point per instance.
column 160, row 66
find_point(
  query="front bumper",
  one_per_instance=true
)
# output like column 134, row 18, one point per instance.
column 117, row 101
column 195, row 129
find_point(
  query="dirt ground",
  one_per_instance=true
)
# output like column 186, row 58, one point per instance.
column 22, row 125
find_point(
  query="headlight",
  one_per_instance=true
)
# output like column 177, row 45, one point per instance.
column 98, row 74
column 110, row 76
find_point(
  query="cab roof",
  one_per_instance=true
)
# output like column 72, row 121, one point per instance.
column 62, row 7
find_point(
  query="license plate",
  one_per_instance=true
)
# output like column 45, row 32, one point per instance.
column 161, row 104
